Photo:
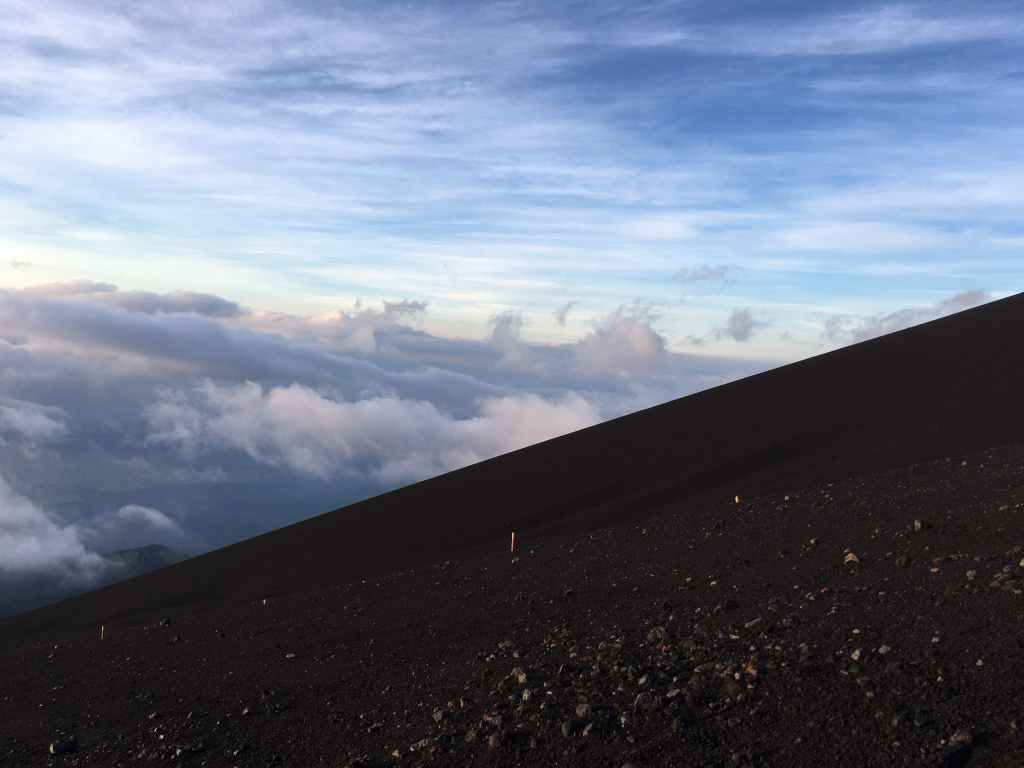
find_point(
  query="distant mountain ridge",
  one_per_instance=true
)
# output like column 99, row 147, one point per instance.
column 128, row 563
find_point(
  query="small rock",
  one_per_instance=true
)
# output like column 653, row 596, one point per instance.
column 851, row 558
column 901, row 560
column 506, row 645
column 657, row 635
column 568, row 727
column 527, row 694
column 971, row 575
column 289, row 655
column 858, row 654
column 918, row 525
column 419, row 745
column 583, row 711
column 496, row 740
column 674, row 695
column 884, row 649
column 522, row 675
column 588, row 730
column 64, row 746
column 441, row 714
column 959, row 738
column 470, row 736
column 643, row 701
column 625, row 720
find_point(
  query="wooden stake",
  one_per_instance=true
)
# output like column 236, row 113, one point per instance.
column 101, row 632
column 513, row 541
column 737, row 499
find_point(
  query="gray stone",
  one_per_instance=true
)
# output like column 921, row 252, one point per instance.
column 584, row 711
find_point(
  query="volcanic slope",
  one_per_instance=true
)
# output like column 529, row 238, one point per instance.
column 737, row 635
column 942, row 389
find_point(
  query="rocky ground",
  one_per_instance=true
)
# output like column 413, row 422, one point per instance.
column 876, row 621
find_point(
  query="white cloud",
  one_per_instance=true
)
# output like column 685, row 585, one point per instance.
column 625, row 344
column 844, row 329
column 338, row 331
column 384, row 437
column 146, row 302
column 740, row 326
column 152, row 517
column 31, row 420
column 562, row 313
column 724, row 275
column 31, row 542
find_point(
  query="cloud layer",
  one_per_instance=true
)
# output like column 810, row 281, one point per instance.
column 130, row 418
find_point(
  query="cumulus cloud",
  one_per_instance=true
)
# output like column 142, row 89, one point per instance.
column 562, row 313
column 723, row 275
column 32, row 421
column 740, row 326
column 841, row 328
column 32, row 543
column 625, row 343
column 147, row 515
column 504, row 337
column 384, row 437
column 340, row 331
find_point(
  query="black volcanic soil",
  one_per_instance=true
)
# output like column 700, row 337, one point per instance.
column 716, row 637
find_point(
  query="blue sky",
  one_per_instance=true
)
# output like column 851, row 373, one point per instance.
column 260, row 260
column 848, row 158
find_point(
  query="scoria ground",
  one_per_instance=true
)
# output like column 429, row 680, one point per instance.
column 736, row 635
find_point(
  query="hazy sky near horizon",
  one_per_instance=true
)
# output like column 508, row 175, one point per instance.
column 259, row 260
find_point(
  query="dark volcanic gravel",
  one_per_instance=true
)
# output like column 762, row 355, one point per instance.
column 737, row 635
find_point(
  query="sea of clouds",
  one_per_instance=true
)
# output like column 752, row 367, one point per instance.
column 133, row 417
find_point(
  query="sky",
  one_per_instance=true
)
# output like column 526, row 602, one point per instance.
column 261, row 260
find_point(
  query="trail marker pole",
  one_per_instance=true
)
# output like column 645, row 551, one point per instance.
column 101, row 632
column 513, row 542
